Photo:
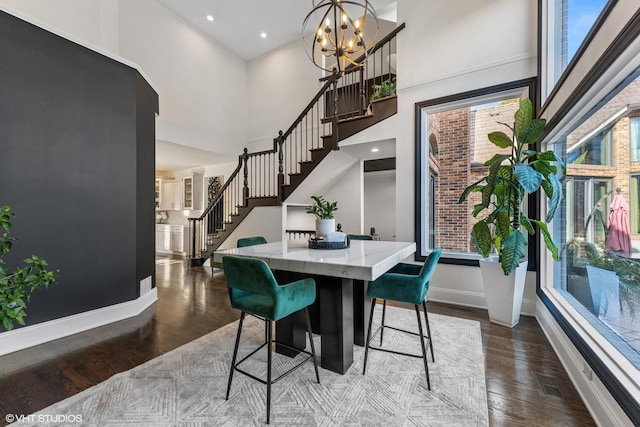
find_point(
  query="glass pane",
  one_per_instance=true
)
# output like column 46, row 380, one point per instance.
column 458, row 148
column 573, row 20
column 598, row 222
column 634, row 136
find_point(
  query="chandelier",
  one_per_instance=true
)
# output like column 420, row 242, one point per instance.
column 344, row 31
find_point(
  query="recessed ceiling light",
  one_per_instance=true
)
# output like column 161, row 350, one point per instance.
column 209, row 18
column 375, row 150
column 263, row 35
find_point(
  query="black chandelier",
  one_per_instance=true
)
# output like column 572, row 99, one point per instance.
column 343, row 33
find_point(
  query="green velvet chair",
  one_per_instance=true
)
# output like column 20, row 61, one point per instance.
column 250, row 241
column 241, row 243
column 360, row 236
column 254, row 290
column 406, row 283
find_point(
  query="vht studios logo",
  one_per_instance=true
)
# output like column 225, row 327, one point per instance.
column 43, row 418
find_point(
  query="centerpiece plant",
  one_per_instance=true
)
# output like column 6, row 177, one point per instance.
column 510, row 178
column 17, row 286
column 324, row 211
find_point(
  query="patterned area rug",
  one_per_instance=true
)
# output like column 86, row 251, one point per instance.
column 186, row 387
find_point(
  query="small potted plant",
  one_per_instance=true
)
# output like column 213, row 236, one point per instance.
column 17, row 286
column 510, row 178
column 384, row 89
column 323, row 210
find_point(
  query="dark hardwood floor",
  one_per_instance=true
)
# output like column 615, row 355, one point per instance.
column 526, row 383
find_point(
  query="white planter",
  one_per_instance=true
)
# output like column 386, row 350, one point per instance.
column 325, row 226
column 504, row 293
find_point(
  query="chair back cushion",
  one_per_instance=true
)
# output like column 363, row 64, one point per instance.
column 429, row 266
column 249, row 275
column 250, row 241
column 360, row 236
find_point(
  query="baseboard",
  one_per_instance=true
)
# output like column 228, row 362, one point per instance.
column 599, row 402
column 473, row 299
column 29, row 336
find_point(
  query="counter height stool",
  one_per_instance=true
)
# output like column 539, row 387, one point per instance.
column 406, row 283
column 250, row 241
column 254, row 290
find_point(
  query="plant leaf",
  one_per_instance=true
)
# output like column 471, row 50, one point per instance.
column 526, row 223
column 500, row 139
column 532, row 133
column 555, row 197
column 546, row 236
column 513, row 250
column 473, row 187
column 503, row 224
column 528, row 177
column 482, row 238
column 523, row 116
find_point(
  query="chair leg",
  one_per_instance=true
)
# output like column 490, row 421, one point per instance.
column 366, row 344
column 424, row 350
column 426, row 319
column 268, row 370
column 235, row 354
column 313, row 348
column 384, row 312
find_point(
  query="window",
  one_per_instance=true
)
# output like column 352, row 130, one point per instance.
column 587, row 203
column 452, row 149
column 598, row 278
column 591, row 149
column 634, row 138
column 634, row 207
column 567, row 25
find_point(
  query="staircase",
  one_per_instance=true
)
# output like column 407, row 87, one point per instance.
column 340, row 109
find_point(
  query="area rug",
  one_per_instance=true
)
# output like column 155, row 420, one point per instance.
column 186, row 387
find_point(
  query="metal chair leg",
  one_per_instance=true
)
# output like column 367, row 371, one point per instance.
column 384, row 312
column 426, row 319
column 235, row 354
column 424, row 350
column 268, row 370
column 313, row 348
column 366, row 344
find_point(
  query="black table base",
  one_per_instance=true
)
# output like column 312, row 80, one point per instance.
column 339, row 315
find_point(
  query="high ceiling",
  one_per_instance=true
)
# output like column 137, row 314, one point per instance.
column 237, row 24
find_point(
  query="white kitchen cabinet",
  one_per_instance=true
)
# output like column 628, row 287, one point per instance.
column 158, row 192
column 171, row 198
column 163, row 238
column 192, row 191
column 172, row 239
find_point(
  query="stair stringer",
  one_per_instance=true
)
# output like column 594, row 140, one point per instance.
column 383, row 130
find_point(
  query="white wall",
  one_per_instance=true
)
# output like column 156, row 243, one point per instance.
column 202, row 86
column 349, row 193
column 281, row 84
column 442, row 51
column 379, row 203
column 80, row 19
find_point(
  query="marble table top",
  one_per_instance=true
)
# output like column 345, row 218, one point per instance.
column 363, row 260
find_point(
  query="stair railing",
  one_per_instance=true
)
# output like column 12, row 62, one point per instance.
column 262, row 174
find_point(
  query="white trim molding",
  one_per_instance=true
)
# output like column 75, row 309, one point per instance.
column 29, row 336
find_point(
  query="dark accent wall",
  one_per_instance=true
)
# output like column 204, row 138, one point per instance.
column 77, row 160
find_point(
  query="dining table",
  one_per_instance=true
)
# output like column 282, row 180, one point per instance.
column 340, row 313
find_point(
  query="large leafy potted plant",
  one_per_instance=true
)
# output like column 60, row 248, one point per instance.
column 17, row 286
column 510, row 178
column 323, row 210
